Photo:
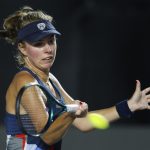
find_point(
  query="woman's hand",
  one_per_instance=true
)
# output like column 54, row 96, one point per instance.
column 140, row 99
column 83, row 109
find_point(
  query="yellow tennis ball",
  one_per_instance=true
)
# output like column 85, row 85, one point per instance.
column 98, row 121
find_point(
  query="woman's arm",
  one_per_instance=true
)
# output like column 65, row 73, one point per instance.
column 138, row 101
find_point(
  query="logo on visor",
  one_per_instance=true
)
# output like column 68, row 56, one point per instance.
column 41, row 26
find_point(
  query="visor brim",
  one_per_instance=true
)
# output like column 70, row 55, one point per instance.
column 40, row 35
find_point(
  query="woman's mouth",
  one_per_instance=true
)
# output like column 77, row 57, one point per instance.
column 48, row 58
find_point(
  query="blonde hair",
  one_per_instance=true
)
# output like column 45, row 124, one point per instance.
column 13, row 23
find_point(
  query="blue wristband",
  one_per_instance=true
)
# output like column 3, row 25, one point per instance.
column 123, row 109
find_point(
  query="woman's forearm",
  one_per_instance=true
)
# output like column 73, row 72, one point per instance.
column 58, row 128
column 84, row 125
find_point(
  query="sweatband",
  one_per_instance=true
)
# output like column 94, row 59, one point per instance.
column 123, row 109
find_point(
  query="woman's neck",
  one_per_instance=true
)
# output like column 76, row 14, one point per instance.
column 43, row 75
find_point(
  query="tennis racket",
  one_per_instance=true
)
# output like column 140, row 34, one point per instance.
column 36, row 109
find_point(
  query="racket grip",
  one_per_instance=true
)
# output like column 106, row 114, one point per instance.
column 72, row 107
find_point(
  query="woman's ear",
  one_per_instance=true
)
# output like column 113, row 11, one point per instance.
column 21, row 47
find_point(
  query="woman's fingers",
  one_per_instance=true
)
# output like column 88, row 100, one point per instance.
column 83, row 109
column 146, row 91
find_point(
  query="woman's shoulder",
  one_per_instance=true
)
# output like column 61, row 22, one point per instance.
column 21, row 78
column 53, row 78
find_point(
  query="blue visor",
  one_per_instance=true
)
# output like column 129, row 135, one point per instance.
column 36, row 30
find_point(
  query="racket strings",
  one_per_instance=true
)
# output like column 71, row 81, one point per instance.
column 37, row 109
column 34, row 104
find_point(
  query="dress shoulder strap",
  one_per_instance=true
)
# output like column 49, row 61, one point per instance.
column 33, row 74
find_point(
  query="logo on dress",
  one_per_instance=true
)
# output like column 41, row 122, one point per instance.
column 41, row 26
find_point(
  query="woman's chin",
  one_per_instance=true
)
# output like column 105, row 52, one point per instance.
column 46, row 67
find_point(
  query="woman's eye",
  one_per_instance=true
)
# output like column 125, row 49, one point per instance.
column 51, row 41
column 38, row 44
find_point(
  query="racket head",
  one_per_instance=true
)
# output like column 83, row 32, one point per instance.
column 34, row 109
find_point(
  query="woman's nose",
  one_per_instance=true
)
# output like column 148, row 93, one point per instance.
column 48, row 47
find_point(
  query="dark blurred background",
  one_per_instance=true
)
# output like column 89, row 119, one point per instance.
column 103, row 49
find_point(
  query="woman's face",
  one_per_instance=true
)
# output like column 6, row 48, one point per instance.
column 41, row 54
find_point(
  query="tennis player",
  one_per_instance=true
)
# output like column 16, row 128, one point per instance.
column 34, row 35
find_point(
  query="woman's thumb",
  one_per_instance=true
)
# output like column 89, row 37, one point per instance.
column 138, row 86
